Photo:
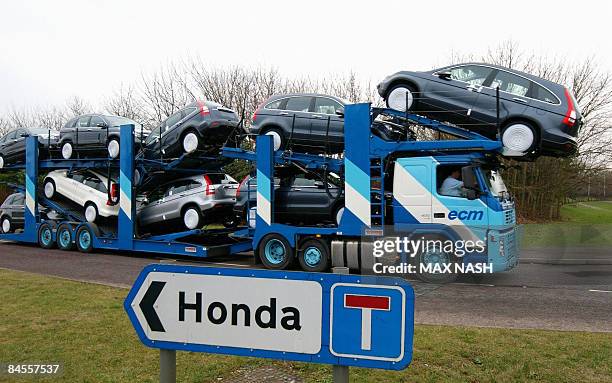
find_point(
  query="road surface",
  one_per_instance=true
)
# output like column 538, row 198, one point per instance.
column 554, row 297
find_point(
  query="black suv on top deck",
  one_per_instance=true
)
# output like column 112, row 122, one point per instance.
column 95, row 134
column 314, row 122
column 535, row 115
column 201, row 125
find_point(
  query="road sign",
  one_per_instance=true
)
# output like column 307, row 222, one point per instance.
column 312, row 317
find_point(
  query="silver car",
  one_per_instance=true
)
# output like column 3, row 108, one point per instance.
column 191, row 201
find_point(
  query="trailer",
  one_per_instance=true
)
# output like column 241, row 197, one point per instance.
column 390, row 192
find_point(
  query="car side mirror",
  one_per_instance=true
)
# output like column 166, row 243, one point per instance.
column 469, row 178
column 340, row 112
column 101, row 125
column 24, row 135
column 444, row 75
column 319, row 184
column 471, row 194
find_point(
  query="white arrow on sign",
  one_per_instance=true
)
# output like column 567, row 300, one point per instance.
column 259, row 313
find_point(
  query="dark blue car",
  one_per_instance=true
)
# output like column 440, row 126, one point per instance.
column 536, row 116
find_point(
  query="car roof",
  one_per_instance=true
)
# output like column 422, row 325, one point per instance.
column 284, row 95
column 529, row 76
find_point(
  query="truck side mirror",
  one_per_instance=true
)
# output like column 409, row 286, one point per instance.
column 469, row 178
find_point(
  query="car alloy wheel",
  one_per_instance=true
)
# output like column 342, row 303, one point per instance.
column 400, row 98
column 339, row 214
column 113, row 148
column 1, row 162
column 191, row 218
column 67, row 150
column 49, row 189
column 190, row 142
column 518, row 137
column 6, row 225
column 276, row 139
column 91, row 213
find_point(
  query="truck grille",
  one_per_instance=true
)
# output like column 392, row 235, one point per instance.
column 509, row 217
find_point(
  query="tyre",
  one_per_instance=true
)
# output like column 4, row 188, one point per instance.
column 91, row 212
column 45, row 236
column 338, row 215
column 6, row 225
column 314, row 255
column 67, row 150
column 113, row 148
column 402, row 97
column 432, row 255
column 278, row 140
column 190, row 142
column 519, row 137
column 231, row 221
column 49, row 188
column 191, row 217
column 84, row 240
column 275, row 252
column 64, row 237
column 1, row 162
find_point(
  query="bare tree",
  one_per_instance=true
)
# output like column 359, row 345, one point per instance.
column 126, row 103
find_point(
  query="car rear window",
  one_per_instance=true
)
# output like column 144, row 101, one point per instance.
column 216, row 178
column 542, row 94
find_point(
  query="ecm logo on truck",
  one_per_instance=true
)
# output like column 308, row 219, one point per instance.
column 466, row 215
column 336, row 319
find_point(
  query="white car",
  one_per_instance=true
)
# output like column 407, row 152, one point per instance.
column 86, row 188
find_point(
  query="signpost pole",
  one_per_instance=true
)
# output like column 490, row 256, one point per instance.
column 340, row 373
column 167, row 366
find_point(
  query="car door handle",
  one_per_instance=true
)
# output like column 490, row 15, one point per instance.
column 477, row 88
column 284, row 113
column 519, row 100
column 296, row 189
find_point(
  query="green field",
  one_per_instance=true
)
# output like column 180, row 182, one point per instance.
column 82, row 325
column 582, row 224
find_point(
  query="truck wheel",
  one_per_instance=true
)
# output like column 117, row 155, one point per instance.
column 6, row 225
column 113, row 148
column 432, row 255
column 518, row 137
column 402, row 97
column 275, row 252
column 64, row 238
column 314, row 255
column 84, row 240
column 67, row 150
column 45, row 236
column 49, row 188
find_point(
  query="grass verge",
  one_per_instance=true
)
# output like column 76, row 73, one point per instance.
column 82, row 325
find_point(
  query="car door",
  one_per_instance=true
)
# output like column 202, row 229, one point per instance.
column 93, row 189
column 299, row 117
column 99, row 131
column 73, row 187
column 10, row 144
column 513, row 100
column 452, row 98
column 149, row 212
column 325, row 114
column 169, row 130
column 306, row 198
column 84, row 134
column 18, row 206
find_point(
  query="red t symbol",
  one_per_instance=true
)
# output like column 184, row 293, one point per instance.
column 367, row 303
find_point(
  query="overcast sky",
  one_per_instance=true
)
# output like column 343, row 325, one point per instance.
column 52, row 50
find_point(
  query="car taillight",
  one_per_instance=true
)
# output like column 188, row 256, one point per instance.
column 210, row 189
column 204, row 111
column 570, row 115
column 114, row 195
column 254, row 118
column 240, row 185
